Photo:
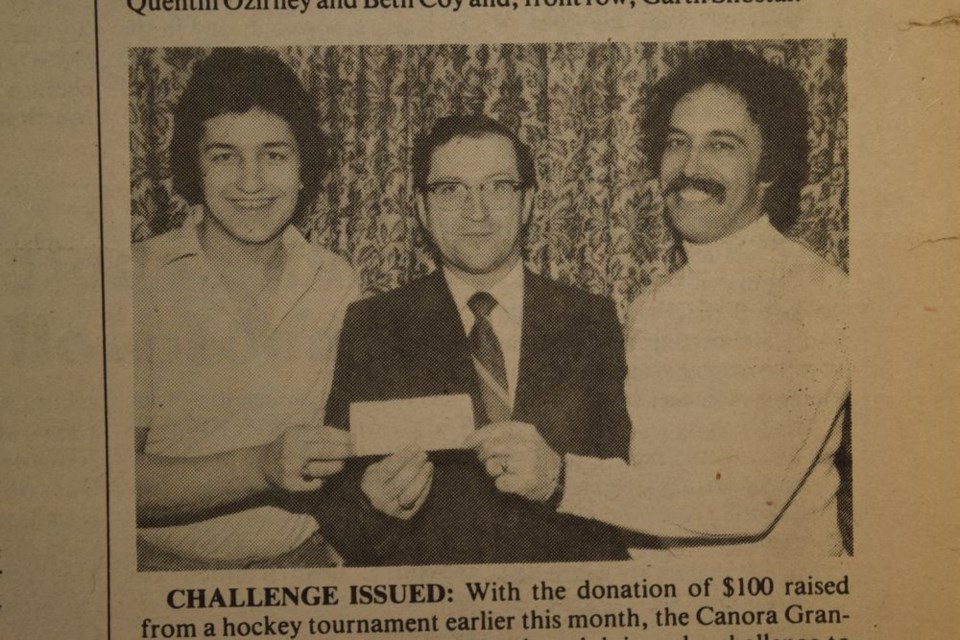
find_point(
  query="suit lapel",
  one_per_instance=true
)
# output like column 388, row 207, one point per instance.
column 538, row 342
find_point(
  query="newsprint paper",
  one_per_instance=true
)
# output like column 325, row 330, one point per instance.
column 481, row 319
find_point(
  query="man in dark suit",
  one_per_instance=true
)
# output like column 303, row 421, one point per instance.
column 535, row 356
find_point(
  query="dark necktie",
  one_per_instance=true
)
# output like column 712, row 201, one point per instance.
column 488, row 358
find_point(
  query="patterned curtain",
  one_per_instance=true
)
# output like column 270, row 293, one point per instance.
column 597, row 222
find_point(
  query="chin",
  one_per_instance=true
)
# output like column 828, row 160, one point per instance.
column 688, row 228
column 260, row 236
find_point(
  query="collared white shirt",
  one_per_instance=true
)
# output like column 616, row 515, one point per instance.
column 204, row 385
column 738, row 368
column 506, row 318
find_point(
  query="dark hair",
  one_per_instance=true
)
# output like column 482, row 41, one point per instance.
column 469, row 126
column 235, row 81
column 775, row 101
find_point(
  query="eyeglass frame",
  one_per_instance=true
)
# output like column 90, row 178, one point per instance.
column 477, row 190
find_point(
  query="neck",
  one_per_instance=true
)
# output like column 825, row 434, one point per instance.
column 484, row 281
column 743, row 223
column 238, row 257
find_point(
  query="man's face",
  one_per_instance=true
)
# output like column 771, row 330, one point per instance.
column 710, row 165
column 250, row 164
column 474, row 207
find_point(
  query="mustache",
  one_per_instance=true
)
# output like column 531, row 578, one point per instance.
column 706, row 185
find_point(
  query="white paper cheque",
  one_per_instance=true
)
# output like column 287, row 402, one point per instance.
column 432, row 423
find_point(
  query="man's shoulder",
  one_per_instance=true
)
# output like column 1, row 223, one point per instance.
column 150, row 257
column 565, row 298
column 331, row 262
column 403, row 297
column 159, row 248
column 803, row 271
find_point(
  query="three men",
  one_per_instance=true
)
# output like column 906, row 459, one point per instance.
column 542, row 360
column 737, row 377
column 738, row 369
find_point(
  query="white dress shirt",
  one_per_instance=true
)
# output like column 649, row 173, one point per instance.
column 506, row 318
column 737, row 374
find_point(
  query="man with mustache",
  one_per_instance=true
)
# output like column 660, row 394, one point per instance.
column 738, row 374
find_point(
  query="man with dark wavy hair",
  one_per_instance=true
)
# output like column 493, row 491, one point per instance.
column 737, row 366
column 776, row 105
column 236, row 319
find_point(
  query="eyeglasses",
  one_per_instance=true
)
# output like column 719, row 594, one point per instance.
column 494, row 194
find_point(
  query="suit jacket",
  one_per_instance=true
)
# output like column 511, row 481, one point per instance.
column 410, row 342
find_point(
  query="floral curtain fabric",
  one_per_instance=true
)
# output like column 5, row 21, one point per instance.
column 597, row 224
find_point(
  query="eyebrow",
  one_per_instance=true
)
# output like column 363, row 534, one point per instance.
column 499, row 175
column 726, row 133
column 224, row 145
column 716, row 133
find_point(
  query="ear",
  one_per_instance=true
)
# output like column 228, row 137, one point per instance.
column 763, row 187
column 421, row 206
column 529, row 196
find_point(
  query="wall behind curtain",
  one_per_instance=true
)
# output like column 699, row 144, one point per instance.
column 597, row 224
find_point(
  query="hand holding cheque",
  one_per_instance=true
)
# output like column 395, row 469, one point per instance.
column 519, row 460
column 303, row 456
column 514, row 454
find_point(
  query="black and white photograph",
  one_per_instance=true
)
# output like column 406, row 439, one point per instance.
column 480, row 320
column 490, row 303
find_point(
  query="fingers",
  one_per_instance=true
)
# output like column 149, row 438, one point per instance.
column 389, row 467
column 399, row 483
column 498, row 449
column 408, row 512
column 312, row 469
column 495, row 466
column 493, row 432
column 323, row 443
column 415, row 491
column 511, row 483
column 502, row 439
column 407, row 474
column 302, row 456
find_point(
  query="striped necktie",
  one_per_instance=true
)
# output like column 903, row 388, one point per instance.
column 488, row 359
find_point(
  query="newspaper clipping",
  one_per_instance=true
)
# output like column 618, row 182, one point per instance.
column 491, row 319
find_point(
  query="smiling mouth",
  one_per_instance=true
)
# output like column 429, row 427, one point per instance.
column 694, row 195
column 695, row 190
column 252, row 203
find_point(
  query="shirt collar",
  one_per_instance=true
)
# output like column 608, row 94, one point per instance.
column 732, row 248
column 508, row 292
column 185, row 242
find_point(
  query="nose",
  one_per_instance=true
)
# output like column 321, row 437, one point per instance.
column 691, row 164
column 474, row 209
column 251, row 176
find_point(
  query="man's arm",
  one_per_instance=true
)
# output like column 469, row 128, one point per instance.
column 517, row 456
column 726, row 479
column 724, row 458
column 173, row 490
column 730, row 487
